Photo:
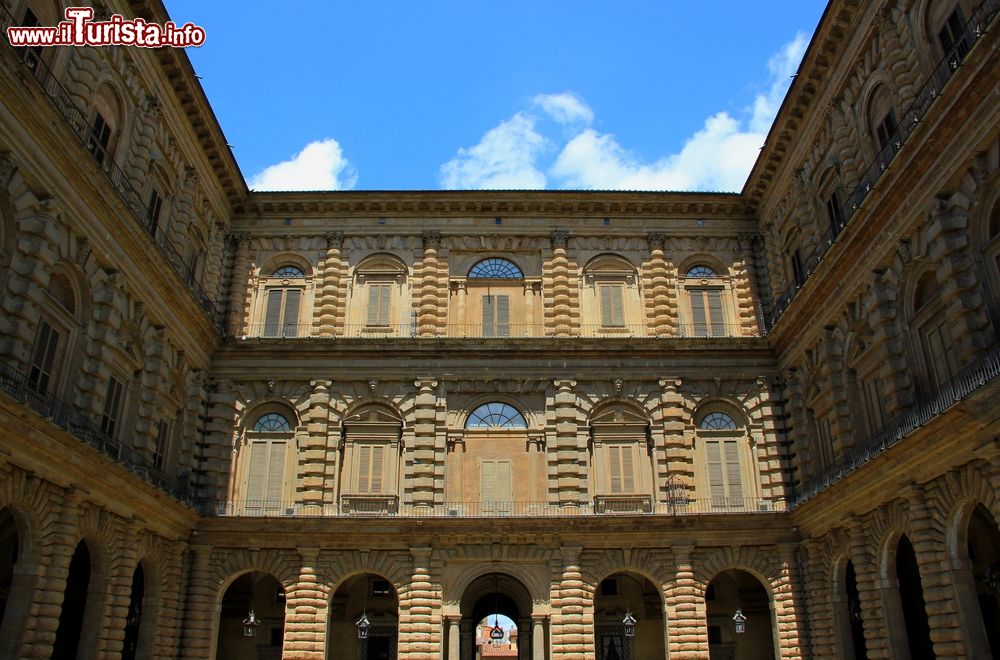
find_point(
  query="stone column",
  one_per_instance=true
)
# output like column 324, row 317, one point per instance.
column 327, row 292
column 687, row 626
column 572, row 629
column 306, row 615
column 789, row 607
column 118, row 590
column 744, row 288
column 468, row 630
column 425, row 486
column 537, row 637
column 566, row 454
column 420, row 611
column 660, row 302
column 563, row 303
column 430, row 289
column 200, row 610
column 454, row 636
column 316, row 454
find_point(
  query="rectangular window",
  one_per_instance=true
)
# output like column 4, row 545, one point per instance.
column 496, row 316
column 825, row 449
column 873, row 403
column 706, row 312
column 371, row 462
column 621, row 469
column 379, row 297
column 281, row 315
column 43, row 358
column 886, row 129
column 612, row 304
column 797, row 271
column 100, row 138
column 153, row 209
column 32, row 55
column 725, row 483
column 939, row 351
column 954, row 37
column 835, row 212
column 112, row 406
column 162, row 443
column 266, row 478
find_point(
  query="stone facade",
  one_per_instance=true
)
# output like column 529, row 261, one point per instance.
column 417, row 409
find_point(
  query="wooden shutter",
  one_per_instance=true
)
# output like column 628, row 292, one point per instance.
column 272, row 315
column 873, row 402
column 939, row 352
column 378, row 304
column 43, row 357
column 378, row 453
column 489, row 328
column 715, row 320
column 291, row 316
column 266, row 476
column 257, row 474
column 503, row 316
column 274, row 488
column 734, row 477
column 716, row 485
column 364, row 468
column 621, row 469
column 612, row 305
column 697, row 297
column 112, row 406
column 162, row 436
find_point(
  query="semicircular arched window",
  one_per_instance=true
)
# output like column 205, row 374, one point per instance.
column 289, row 271
column 273, row 423
column 700, row 270
column 495, row 415
column 496, row 268
column 717, row 421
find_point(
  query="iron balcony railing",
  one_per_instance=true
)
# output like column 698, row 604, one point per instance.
column 973, row 376
column 75, row 118
column 390, row 507
column 931, row 90
column 479, row 331
column 77, row 423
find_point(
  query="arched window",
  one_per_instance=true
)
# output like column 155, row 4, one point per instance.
column 288, row 271
column 948, row 30
column 717, row 421
column 726, row 475
column 56, row 335
column 272, row 422
column 882, row 121
column 495, row 415
column 701, row 270
column 936, row 346
column 105, row 125
column 496, row 268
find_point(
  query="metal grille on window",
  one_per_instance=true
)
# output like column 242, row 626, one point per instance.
column 496, row 268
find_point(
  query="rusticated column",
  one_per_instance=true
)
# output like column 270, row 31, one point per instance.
column 420, row 610
column 929, row 545
column 572, row 617
column 870, row 591
column 425, row 488
column 170, row 605
column 306, row 612
column 894, row 373
column 218, row 444
column 107, row 314
column 745, row 289
column 214, row 264
column 676, row 467
column 327, row 294
column 35, row 253
column 562, row 304
column 566, row 452
column 660, row 299
column 111, row 633
column 789, row 606
column 317, row 454
column 431, row 294
column 687, row 625
column 823, row 621
column 200, row 611
column 764, row 409
column 237, row 311
column 139, row 165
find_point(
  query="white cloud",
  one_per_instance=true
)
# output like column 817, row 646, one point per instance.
column 504, row 159
column 781, row 65
column 321, row 165
column 565, row 108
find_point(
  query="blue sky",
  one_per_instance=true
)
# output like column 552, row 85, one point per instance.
column 487, row 94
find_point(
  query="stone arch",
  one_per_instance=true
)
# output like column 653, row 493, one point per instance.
column 737, row 589
column 902, row 611
column 286, row 259
column 535, row 584
column 610, row 262
column 257, row 409
column 381, row 263
column 845, row 601
column 530, row 417
column 143, row 610
column 20, row 559
column 703, row 259
column 363, row 598
column 495, row 591
column 341, row 566
column 107, row 116
column 84, row 598
column 228, row 642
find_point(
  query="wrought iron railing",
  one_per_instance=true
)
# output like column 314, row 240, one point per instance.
column 84, row 428
column 75, row 118
column 973, row 376
column 479, row 331
column 389, row 507
column 931, row 90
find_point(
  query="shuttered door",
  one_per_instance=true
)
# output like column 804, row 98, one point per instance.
column 698, row 313
column 716, row 327
column 43, row 358
column 503, row 316
column 873, row 403
column 495, row 485
column 290, row 319
column 725, row 482
column 371, row 462
column 378, row 304
column 734, row 480
column 489, row 328
column 621, row 469
column 272, row 314
column 939, row 351
column 266, row 476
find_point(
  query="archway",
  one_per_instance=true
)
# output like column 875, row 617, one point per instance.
column 262, row 594
column 372, row 597
column 858, row 648
column 74, row 605
column 137, row 632
column 911, row 595
column 984, row 554
column 730, row 594
column 10, row 547
column 495, row 599
column 617, row 596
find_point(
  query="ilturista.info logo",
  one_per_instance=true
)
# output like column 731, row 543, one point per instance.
column 80, row 29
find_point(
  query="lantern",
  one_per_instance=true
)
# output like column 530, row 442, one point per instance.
column 496, row 632
column 740, row 622
column 363, row 624
column 629, row 622
column 250, row 625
